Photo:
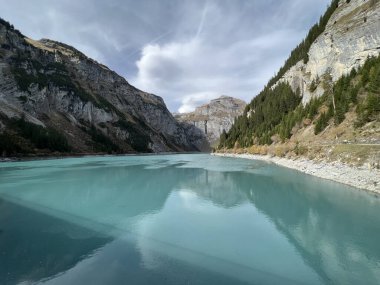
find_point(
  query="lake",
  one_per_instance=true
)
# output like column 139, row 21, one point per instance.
column 182, row 219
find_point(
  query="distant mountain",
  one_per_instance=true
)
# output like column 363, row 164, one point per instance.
column 215, row 117
column 53, row 98
column 326, row 94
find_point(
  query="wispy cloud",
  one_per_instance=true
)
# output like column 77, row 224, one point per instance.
column 203, row 19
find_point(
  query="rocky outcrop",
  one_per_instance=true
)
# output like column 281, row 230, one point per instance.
column 54, row 85
column 214, row 117
column 351, row 36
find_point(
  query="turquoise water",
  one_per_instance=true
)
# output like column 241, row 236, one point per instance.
column 182, row 219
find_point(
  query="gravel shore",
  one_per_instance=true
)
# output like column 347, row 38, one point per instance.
column 362, row 178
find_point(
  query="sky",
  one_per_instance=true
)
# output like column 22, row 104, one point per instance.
column 186, row 51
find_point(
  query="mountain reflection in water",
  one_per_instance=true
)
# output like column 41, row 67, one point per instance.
column 180, row 219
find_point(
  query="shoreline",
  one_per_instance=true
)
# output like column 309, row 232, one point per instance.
column 358, row 177
column 80, row 155
column 361, row 178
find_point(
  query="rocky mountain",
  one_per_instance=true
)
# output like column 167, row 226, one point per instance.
column 324, row 103
column 352, row 34
column 215, row 117
column 54, row 98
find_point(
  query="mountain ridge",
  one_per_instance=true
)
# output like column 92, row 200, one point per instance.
column 214, row 117
column 55, row 86
column 326, row 105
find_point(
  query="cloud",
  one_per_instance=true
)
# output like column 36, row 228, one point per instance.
column 184, row 51
column 190, row 102
column 190, row 73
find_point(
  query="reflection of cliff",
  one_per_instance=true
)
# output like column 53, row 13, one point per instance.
column 107, row 194
column 23, row 254
column 334, row 230
column 97, row 193
column 164, row 203
column 52, row 229
column 218, row 187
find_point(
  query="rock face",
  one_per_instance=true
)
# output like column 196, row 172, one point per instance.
column 214, row 117
column 351, row 36
column 54, row 85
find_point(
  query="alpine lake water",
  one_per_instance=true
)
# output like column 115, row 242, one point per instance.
column 182, row 219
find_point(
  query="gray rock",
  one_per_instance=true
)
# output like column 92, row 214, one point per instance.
column 351, row 36
column 214, row 117
column 70, row 92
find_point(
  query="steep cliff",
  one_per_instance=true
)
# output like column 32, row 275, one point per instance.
column 215, row 117
column 51, row 94
column 324, row 103
column 350, row 37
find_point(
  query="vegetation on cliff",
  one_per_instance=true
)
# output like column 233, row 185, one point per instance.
column 266, row 111
column 277, row 112
column 25, row 137
column 301, row 51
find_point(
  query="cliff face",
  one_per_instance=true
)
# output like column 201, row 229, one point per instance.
column 343, row 122
column 53, row 85
column 214, row 117
column 351, row 36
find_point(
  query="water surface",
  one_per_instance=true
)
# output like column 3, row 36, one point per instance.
column 182, row 219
